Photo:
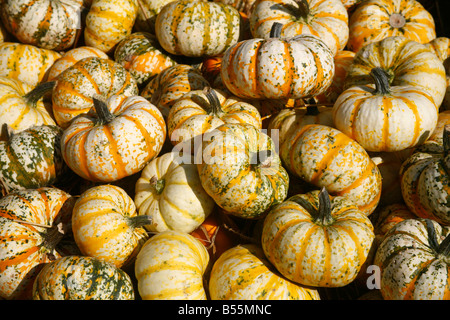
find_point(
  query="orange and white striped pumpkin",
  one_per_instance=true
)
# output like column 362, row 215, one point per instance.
column 441, row 47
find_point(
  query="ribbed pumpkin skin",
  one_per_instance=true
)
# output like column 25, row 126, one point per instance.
column 102, row 225
column 108, row 22
column 326, row 19
column 375, row 20
column 240, row 169
column 244, row 273
column 17, row 110
column 407, row 62
column 170, row 266
column 72, row 56
column 171, row 84
column 181, row 204
column 47, row 24
column 116, row 149
column 25, row 62
column 89, row 78
column 24, row 247
column 437, row 135
column 197, row 28
column 82, row 278
column 31, row 158
column 147, row 12
column 411, row 269
column 192, row 115
column 276, row 68
column 326, row 157
column 441, row 47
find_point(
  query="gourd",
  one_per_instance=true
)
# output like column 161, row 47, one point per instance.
column 441, row 47
column 147, row 12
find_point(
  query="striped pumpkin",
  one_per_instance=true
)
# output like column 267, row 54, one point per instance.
column 197, row 28
column 326, row 19
column 325, row 157
column 244, row 273
column 106, row 225
column 82, row 278
column 108, row 22
column 278, row 68
column 438, row 133
column 169, row 190
column 406, row 61
column 240, row 169
column 317, row 240
column 170, row 266
column 375, row 20
column 387, row 118
column 89, row 78
column 26, row 62
column 441, row 47
column 413, row 259
column 147, row 12
column 47, row 24
column 32, row 227
column 115, row 140
column 31, row 158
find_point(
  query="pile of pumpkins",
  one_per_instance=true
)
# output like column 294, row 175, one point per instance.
column 226, row 149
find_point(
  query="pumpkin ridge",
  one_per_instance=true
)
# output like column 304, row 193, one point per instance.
column 115, row 152
column 298, row 273
column 18, row 258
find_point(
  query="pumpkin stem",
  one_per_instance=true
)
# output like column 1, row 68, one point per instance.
column 442, row 248
column 139, row 221
column 275, row 31
column 158, row 184
column 6, row 132
column 103, row 113
column 324, row 217
column 214, row 102
column 38, row 92
column 381, row 79
column 53, row 236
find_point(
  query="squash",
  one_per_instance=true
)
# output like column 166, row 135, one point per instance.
column 413, row 259
column 197, row 28
column 243, row 6
column 31, row 159
column 326, row 19
column 441, row 47
column 278, row 68
column 106, row 225
column 241, row 170
column 108, row 22
column 170, row 266
column 147, row 12
column 47, row 24
column 317, row 240
column 26, row 62
column 82, row 278
column 89, row 78
column 244, row 273
column 326, row 157
column 114, row 140
column 33, row 225
column 169, row 190
column 384, row 117
column 438, row 133
column 406, row 61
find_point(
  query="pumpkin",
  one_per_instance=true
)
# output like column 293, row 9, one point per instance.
column 47, row 24
column 437, row 135
column 141, row 54
column 326, row 157
column 22, row 105
column 407, row 62
column 170, row 266
column 197, row 28
column 108, row 22
column 275, row 68
column 326, row 19
column 72, row 56
column 82, row 278
column 115, row 140
column 26, row 62
column 384, row 117
column 31, row 158
column 241, row 170
column 147, row 12
column 441, row 47
column 106, row 225
column 32, row 227
column 317, row 240
column 89, row 78
column 243, row 6
column 244, row 273
column 169, row 190
column 425, row 182
column 171, row 84
column 375, row 20
column 413, row 259
column 200, row 111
